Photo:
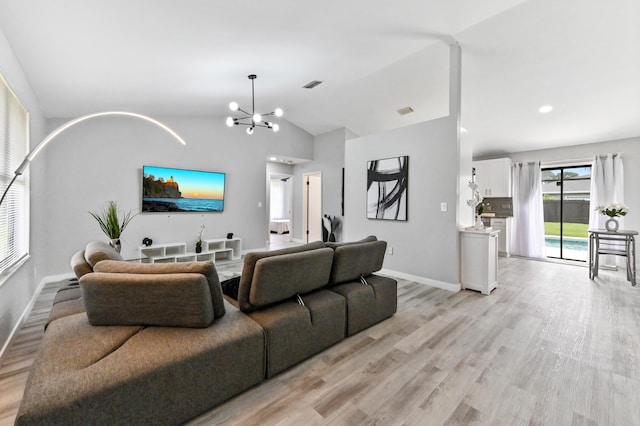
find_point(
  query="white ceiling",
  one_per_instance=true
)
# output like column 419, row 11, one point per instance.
column 167, row 57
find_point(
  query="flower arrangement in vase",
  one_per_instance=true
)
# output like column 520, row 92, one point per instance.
column 613, row 211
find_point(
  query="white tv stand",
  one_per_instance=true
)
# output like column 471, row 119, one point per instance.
column 215, row 249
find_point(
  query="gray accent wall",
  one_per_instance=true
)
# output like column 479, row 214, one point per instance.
column 102, row 159
column 426, row 245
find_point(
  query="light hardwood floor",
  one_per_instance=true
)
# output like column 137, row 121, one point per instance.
column 547, row 347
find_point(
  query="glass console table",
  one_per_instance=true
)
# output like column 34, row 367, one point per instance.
column 618, row 243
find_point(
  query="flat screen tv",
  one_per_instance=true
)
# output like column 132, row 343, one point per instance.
column 177, row 190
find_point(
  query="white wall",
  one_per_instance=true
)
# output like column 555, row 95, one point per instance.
column 630, row 149
column 328, row 158
column 101, row 160
column 17, row 290
column 425, row 246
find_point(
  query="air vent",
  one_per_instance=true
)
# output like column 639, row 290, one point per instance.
column 405, row 110
column 311, row 84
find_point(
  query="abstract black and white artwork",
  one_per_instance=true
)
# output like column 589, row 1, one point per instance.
column 387, row 183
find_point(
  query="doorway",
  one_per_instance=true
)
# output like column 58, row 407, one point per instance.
column 280, row 209
column 565, row 193
column 312, row 207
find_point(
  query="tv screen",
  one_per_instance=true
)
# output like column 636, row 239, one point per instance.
column 178, row 190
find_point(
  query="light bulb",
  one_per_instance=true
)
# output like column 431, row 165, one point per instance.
column 230, row 122
column 275, row 127
column 257, row 118
column 233, row 106
column 278, row 112
column 250, row 130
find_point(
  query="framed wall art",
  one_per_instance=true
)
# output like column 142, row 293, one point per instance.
column 387, row 188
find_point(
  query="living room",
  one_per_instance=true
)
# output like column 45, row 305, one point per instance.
column 101, row 160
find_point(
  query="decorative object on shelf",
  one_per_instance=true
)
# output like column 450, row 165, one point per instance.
column 111, row 224
column 34, row 152
column 229, row 235
column 476, row 203
column 253, row 119
column 146, row 241
column 199, row 241
column 329, row 232
column 387, row 188
column 613, row 210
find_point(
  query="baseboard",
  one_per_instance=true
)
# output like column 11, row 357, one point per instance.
column 422, row 280
column 27, row 310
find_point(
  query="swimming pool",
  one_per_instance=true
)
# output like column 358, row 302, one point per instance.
column 569, row 243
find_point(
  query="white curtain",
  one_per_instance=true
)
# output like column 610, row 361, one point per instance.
column 277, row 199
column 528, row 214
column 607, row 186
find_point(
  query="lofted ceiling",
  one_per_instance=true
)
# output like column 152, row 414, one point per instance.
column 164, row 57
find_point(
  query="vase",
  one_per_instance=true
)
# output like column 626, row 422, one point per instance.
column 479, row 223
column 115, row 243
column 611, row 224
column 198, row 248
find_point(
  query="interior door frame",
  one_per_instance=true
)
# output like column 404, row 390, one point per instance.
column 305, row 204
column 271, row 176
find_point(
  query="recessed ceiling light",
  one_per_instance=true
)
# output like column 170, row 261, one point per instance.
column 463, row 130
column 545, row 109
column 405, row 110
column 272, row 158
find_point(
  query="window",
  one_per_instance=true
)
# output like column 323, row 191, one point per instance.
column 14, row 210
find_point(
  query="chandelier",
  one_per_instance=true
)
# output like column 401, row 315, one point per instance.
column 253, row 119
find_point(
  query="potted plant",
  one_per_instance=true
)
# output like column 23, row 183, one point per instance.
column 613, row 211
column 199, row 241
column 111, row 223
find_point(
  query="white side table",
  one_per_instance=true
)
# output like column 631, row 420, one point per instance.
column 479, row 260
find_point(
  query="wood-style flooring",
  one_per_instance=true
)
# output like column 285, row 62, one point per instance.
column 547, row 347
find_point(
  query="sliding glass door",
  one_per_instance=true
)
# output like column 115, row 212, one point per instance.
column 565, row 193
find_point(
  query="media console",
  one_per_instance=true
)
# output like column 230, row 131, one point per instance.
column 214, row 249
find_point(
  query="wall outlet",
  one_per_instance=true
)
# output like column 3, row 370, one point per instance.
column 443, row 207
column 390, row 250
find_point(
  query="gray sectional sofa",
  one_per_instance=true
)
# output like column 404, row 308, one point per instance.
column 138, row 343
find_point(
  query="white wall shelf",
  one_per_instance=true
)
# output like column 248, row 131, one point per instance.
column 214, row 249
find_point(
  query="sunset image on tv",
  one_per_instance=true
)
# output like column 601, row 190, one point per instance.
column 178, row 190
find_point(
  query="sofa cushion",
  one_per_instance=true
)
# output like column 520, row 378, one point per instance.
column 205, row 268
column 350, row 261
column 96, row 251
column 179, row 300
column 79, row 264
column 295, row 332
column 368, row 239
column 248, row 270
column 278, row 278
column 368, row 304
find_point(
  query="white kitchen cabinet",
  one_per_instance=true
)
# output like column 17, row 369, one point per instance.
column 503, row 224
column 479, row 260
column 494, row 177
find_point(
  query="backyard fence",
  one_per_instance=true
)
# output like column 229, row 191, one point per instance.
column 574, row 211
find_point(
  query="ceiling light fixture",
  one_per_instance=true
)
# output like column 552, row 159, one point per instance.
column 253, row 119
column 545, row 109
